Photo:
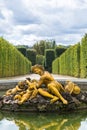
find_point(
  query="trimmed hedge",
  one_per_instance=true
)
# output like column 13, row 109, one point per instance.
column 76, row 61
column 73, row 61
column 31, row 55
column 40, row 59
column 69, row 62
column 49, row 57
column 55, row 66
column 83, row 54
column 12, row 62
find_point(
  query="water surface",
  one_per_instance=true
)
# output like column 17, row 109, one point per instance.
column 43, row 121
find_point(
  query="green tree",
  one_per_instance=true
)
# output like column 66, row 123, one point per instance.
column 44, row 44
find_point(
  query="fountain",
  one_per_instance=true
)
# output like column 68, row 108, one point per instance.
column 43, row 95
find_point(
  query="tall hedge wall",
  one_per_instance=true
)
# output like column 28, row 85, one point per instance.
column 12, row 62
column 83, row 54
column 31, row 55
column 68, row 62
column 73, row 61
column 49, row 57
column 55, row 66
column 76, row 61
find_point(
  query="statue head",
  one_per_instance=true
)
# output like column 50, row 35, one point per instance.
column 38, row 69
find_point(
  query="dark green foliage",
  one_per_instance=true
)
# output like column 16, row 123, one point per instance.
column 49, row 57
column 59, row 50
column 12, row 62
column 40, row 59
column 31, row 55
column 22, row 50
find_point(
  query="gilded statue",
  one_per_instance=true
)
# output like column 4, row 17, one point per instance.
column 72, row 88
column 53, row 86
column 28, row 89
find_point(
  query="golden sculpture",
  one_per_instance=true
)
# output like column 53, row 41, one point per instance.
column 28, row 89
column 13, row 91
column 53, row 86
column 72, row 88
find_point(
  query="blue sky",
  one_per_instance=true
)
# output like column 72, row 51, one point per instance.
column 28, row 21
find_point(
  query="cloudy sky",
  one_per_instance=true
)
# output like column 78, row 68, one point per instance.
column 28, row 21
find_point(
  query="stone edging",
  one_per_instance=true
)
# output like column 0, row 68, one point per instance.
column 5, row 85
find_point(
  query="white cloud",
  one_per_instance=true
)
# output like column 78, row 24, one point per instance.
column 26, row 21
